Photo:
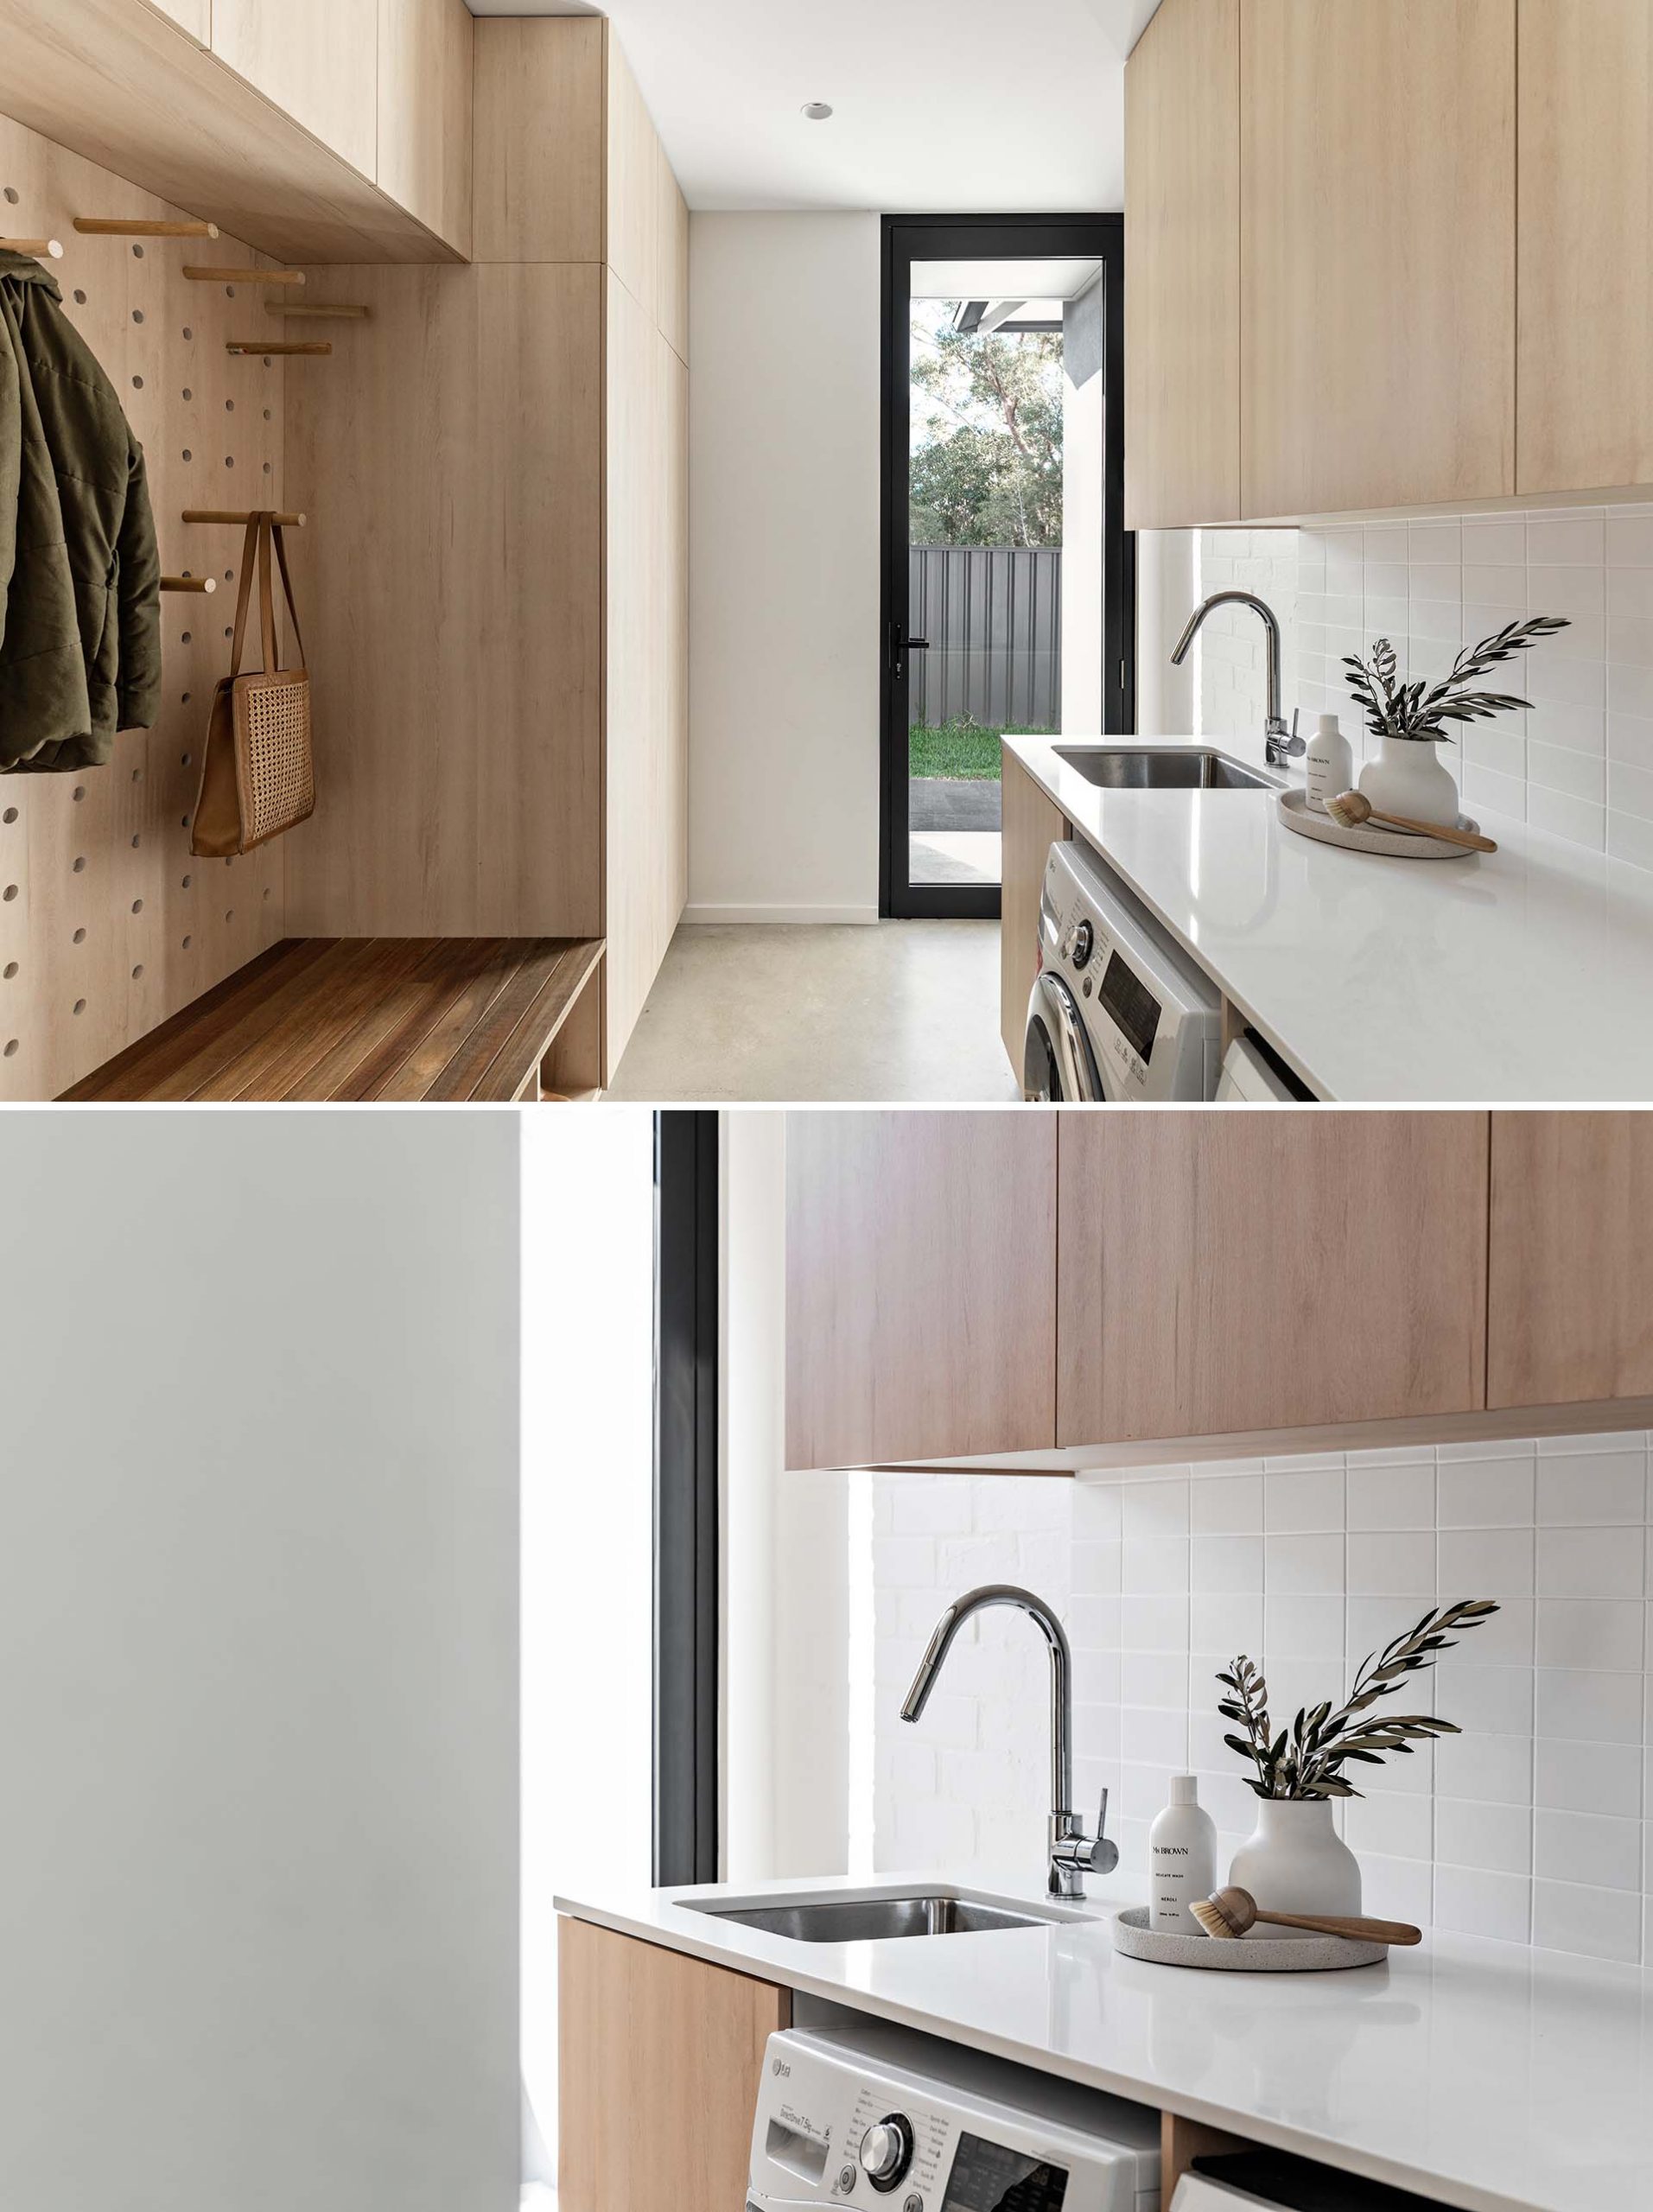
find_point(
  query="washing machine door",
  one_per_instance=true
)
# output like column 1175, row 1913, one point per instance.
column 1057, row 1063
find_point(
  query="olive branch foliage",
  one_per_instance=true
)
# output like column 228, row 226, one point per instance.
column 1306, row 1760
column 1421, row 709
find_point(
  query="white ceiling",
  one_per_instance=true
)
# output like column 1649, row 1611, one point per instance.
column 955, row 107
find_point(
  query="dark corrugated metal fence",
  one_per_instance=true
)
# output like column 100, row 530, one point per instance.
column 993, row 615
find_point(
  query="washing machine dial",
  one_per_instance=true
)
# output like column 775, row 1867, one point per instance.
column 887, row 2149
column 1084, row 938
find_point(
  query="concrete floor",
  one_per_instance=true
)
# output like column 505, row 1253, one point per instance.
column 895, row 1010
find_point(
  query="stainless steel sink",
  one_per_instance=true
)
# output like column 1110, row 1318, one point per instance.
column 1163, row 768
column 860, row 1920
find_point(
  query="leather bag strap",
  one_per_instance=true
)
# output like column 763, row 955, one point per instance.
column 244, row 595
column 287, row 587
column 266, row 605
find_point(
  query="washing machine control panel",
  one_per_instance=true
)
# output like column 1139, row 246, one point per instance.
column 838, row 2124
column 1153, row 1021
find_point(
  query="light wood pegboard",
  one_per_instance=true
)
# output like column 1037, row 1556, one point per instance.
column 107, row 924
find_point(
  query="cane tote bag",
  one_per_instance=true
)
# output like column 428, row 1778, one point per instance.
column 258, row 773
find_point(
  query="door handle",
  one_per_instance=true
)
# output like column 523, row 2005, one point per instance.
column 917, row 644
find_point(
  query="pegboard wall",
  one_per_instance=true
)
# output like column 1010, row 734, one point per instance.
column 107, row 924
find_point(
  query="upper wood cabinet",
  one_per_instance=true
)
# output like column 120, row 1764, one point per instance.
column 1182, row 244
column 1571, row 1311
column 424, row 113
column 659, row 2058
column 920, row 1285
column 317, row 60
column 1585, row 342
column 1223, row 1274
column 1378, row 251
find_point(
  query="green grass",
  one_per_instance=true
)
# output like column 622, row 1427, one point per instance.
column 958, row 749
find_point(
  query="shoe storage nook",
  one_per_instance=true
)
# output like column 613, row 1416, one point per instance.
column 419, row 285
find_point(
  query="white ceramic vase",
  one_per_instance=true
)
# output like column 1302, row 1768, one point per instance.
column 1408, row 778
column 1296, row 1861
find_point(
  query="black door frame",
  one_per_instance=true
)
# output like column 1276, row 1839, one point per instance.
column 686, row 1540
column 954, row 237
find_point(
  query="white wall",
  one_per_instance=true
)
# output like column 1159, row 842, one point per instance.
column 784, row 568
column 587, row 1542
column 786, row 1640
column 257, row 1661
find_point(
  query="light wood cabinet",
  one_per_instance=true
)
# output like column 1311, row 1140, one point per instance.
column 424, row 113
column 316, row 60
column 1570, row 1315
column 920, row 1285
column 659, row 2058
column 1585, row 341
column 195, row 17
column 1377, row 223
column 1223, row 1273
column 1182, row 248
column 1032, row 826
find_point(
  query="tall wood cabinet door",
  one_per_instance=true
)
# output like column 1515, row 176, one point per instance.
column 1570, row 1312
column 1226, row 1273
column 1585, row 365
column 194, row 15
column 659, row 2058
column 1032, row 826
column 920, row 1285
column 317, row 60
column 1377, row 195
column 1182, row 248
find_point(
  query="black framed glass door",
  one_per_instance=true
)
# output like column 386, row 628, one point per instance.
column 1008, row 579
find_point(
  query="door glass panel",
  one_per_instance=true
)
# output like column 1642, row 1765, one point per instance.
column 1005, row 537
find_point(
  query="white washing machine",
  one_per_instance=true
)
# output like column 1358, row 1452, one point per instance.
column 1118, row 1011
column 879, row 2116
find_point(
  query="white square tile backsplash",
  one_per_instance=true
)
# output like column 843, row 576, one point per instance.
column 1533, row 1824
column 1579, row 762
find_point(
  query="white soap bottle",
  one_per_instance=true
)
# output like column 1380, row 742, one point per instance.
column 1182, row 1857
column 1329, row 764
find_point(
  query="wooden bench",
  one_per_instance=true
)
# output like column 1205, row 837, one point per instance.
column 449, row 1019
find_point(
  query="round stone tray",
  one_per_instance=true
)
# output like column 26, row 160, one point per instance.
column 1400, row 844
column 1253, row 1953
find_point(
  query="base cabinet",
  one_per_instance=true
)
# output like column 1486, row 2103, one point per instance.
column 660, row 2056
column 1032, row 826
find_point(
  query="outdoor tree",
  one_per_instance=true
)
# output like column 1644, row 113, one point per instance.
column 986, row 466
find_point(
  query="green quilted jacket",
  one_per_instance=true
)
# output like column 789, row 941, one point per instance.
column 79, row 575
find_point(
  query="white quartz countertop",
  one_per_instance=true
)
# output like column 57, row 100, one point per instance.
column 1524, row 975
column 1484, row 2074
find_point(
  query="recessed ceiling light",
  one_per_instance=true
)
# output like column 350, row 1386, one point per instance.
column 816, row 110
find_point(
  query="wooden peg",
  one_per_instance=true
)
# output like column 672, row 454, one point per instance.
column 231, row 514
column 189, row 583
column 277, row 346
column 197, row 276
column 42, row 249
column 295, row 307
column 116, row 226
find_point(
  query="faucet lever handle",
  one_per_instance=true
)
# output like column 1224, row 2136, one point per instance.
column 1105, row 1851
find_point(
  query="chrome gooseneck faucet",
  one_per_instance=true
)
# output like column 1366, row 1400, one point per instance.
column 1280, row 744
column 1072, row 1852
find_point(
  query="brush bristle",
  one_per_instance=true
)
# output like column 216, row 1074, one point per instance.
column 1211, row 1917
column 1344, row 817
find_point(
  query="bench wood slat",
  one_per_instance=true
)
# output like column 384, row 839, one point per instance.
column 360, row 1018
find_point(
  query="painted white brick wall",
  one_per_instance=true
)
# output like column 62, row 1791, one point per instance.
column 1531, row 1826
